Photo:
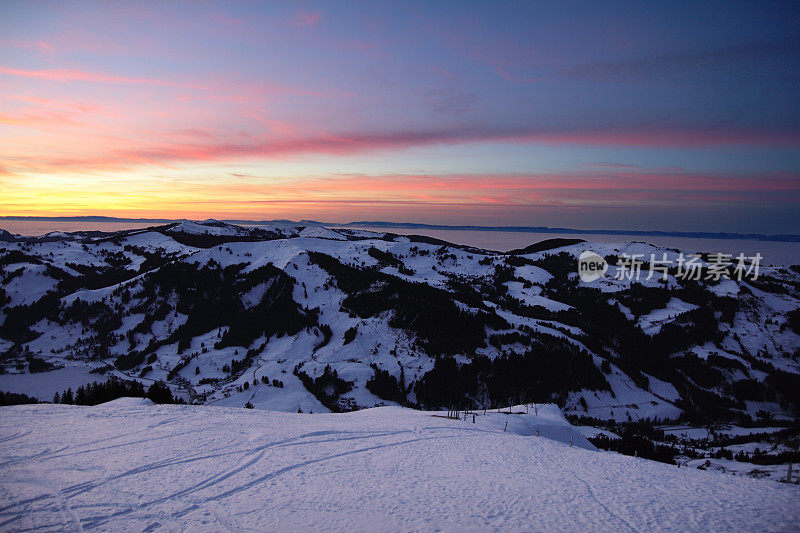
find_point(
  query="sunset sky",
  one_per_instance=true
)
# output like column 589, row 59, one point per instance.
column 649, row 115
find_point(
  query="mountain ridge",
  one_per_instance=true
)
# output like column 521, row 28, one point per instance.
column 411, row 225
column 155, row 300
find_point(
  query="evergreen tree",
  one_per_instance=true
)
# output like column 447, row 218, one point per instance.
column 159, row 392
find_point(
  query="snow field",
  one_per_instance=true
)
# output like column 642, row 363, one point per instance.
column 157, row 468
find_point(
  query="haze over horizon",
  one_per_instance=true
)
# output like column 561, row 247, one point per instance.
column 35, row 229
column 679, row 117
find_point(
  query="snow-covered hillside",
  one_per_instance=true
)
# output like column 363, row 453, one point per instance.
column 295, row 317
column 126, row 467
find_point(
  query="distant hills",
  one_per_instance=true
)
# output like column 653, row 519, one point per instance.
column 416, row 226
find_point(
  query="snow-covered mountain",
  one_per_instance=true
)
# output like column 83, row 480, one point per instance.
column 302, row 317
column 126, row 466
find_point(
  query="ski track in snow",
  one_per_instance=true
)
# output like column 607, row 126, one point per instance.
column 163, row 468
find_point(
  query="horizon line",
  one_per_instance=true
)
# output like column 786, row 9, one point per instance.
column 445, row 227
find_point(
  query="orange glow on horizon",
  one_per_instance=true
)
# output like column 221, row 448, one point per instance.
column 337, row 197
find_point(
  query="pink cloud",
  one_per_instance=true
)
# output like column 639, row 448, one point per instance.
column 69, row 75
column 36, row 46
column 354, row 143
column 305, row 19
column 284, row 141
column 223, row 19
column 489, row 191
column 611, row 165
column 508, row 76
column 218, row 88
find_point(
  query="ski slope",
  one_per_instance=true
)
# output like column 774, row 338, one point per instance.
column 128, row 466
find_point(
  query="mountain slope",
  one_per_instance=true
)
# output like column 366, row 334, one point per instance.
column 300, row 317
column 159, row 468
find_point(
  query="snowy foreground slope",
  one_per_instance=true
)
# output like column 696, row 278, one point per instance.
column 129, row 466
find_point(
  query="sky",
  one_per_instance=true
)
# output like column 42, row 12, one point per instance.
column 616, row 115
